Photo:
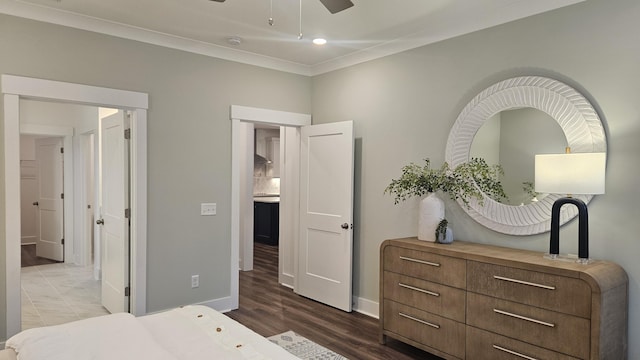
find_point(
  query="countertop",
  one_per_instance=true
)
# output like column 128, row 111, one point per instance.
column 266, row 198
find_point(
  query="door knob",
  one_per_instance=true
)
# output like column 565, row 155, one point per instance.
column 100, row 222
column 345, row 226
column 36, row 203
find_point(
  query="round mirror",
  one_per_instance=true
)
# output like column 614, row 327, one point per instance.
column 522, row 108
column 511, row 139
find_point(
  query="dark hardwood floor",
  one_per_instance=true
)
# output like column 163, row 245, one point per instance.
column 28, row 256
column 269, row 308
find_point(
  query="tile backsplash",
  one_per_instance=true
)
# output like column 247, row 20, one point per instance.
column 263, row 182
column 266, row 185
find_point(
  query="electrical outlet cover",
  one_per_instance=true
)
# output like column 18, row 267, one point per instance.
column 208, row 209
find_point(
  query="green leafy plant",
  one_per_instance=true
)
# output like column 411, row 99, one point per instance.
column 468, row 180
column 441, row 230
column 529, row 189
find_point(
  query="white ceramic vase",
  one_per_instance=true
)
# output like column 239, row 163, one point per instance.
column 430, row 214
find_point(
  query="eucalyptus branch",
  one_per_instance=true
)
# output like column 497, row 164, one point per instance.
column 529, row 189
column 473, row 179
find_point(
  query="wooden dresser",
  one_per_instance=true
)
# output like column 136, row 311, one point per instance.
column 473, row 301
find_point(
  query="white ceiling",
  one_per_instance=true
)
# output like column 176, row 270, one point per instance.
column 368, row 30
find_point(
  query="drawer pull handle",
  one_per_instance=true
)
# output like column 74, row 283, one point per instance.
column 420, row 321
column 513, row 352
column 418, row 289
column 524, row 282
column 524, row 318
column 419, row 261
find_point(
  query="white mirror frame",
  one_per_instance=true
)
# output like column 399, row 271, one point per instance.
column 573, row 112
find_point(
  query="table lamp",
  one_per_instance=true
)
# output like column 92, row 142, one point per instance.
column 568, row 174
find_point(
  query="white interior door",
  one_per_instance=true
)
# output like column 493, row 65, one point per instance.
column 50, row 212
column 113, row 222
column 326, row 214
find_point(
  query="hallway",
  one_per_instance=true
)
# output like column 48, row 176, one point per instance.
column 59, row 293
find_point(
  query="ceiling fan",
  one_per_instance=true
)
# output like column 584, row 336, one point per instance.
column 334, row 6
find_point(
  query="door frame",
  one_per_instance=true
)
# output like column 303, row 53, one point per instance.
column 240, row 114
column 15, row 87
column 83, row 253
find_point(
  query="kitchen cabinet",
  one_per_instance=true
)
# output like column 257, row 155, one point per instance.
column 266, row 222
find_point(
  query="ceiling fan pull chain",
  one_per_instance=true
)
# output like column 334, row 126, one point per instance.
column 271, row 12
column 300, row 34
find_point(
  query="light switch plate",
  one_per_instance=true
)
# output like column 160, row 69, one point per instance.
column 207, row 209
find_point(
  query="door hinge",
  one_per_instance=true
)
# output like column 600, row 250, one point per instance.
column 127, row 134
column 127, row 213
column 62, row 241
column 126, row 291
column 61, row 150
column 62, row 196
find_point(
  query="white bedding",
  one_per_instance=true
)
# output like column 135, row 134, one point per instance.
column 191, row 332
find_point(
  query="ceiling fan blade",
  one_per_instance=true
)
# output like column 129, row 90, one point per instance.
column 218, row 0
column 335, row 6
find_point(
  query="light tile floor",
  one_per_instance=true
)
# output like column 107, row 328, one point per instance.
column 59, row 293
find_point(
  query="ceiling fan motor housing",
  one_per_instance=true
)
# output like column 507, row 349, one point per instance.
column 334, row 6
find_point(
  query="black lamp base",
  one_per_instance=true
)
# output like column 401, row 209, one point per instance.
column 583, row 228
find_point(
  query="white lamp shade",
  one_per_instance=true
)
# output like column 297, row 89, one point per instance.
column 576, row 173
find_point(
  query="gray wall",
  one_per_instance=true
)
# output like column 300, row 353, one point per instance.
column 189, row 140
column 486, row 142
column 404, row 105
column 525, row 133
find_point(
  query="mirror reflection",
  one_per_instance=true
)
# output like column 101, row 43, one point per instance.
column 511, row 138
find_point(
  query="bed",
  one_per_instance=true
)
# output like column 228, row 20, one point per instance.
column 190, row 332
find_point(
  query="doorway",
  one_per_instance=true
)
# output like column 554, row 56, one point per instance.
column 74, row 281
column 318, row 206
column 13, row 89
column 265, row 187
column 243, row 120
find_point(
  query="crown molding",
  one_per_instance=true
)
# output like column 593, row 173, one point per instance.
column 432, row 32
column 88, row 23
column 444, row 29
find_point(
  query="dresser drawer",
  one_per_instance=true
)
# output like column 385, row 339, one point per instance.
column 552, row 330
column 484, row 345
column 431, row 330
column 429, row 296
column 432, row 267
column 553, row 292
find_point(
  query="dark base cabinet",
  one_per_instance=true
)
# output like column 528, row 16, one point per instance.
column 266, row 222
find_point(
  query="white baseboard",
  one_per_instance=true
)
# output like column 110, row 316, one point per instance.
column 361, row 305
column 366, row 307
column 286, row 280
column 222, row 305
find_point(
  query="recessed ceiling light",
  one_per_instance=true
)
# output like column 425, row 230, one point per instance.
column 319, row 41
